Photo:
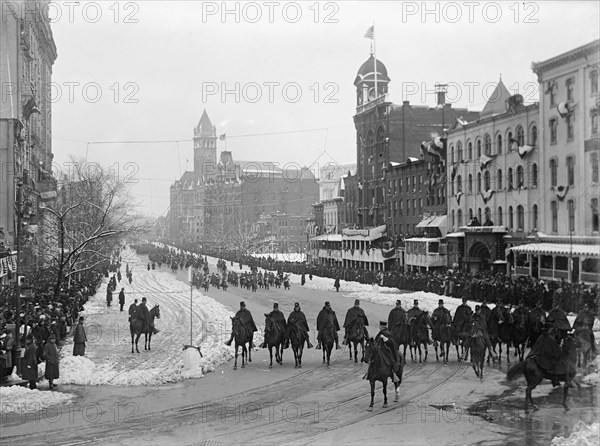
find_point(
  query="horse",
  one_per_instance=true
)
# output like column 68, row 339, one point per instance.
column 565, row 371
column 584, row 350
column 274, row 337
column 296, row 333
column 401, row 335
column 419, row 335
column 136, row 328
column 380, row 369
column 356, row 337
column 500, row 331
column 442, row 333
column 327, row 338
column 459, row 336
column 520, row 333
column 477, row 354
column 242, row 336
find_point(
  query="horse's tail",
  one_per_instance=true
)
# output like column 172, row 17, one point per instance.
column 515, row 371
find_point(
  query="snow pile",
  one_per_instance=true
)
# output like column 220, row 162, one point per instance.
column 593, row 377
column 108, row 359
column 582, row 435
column 283, row 256
column 20, row 400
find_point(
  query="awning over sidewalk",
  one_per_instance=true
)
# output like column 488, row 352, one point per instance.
column 563, row 249
column 436, row 221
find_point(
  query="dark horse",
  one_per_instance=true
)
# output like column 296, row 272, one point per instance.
column 136, row 328
column 242, row 336
column 565, row 371
column 296, row 333
column 356, row 337
column 520, row 333
column 419, row 335
column 442, row 333
column 274, row 337
column 328, row 338
column 401, row 335
column 500, row 325
column 380, row 369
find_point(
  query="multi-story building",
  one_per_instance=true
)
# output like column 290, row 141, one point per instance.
column 331, row 183
column 27, row 54
column 387, row 133
column 566, row 246
column 333, row 215
column 494, row 182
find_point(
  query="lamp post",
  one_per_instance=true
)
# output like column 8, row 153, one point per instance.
column 19, row 209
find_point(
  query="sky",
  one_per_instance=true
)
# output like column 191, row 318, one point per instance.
column 275, row 77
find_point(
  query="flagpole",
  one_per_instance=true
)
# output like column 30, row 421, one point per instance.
column 375, row 62
column 191, row 313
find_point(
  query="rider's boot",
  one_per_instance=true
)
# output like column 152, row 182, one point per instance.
column 318, row 344
column 230, row 340
column 345, row 341
column 308, row 344
column 286, row 344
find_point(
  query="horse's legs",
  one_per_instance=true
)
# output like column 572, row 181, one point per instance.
column 426, row 352
column 435, row 346
column 137, row 338
column 385, row 404
column 149, row 339
column 420, row 353
column 372, row 382
column 405, row 345
column 132, row 341
column 457, row 354
column 355, row 353
column 362, row 351
column 300, row 350
column 350, row 350
column 236, row 356
column 566, row 391
column 271, row 355
column 324, row 349
column 250, row 348
column 508, row 352
column 244, row 353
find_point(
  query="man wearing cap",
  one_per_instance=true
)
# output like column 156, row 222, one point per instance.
column 79, row 339
column 521, row 312
column 247, row 321
column 30, row 363
column 321, row 322
column 485, row 310
column 462, row 314
column 438, row 317
column 546, row 352
column 122, row 298
column 143, row 315
column 397, row 316
column 133, row 308
column 352, row 316
column 51, row 356
column 415, row 311
column 298, row 318
column 585, row 321
column 279, row 320
column 478, row 327
column 558, row 318
column 390, row 349
column 537, row 318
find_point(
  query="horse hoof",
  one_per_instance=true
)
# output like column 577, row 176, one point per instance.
column 300, row 366
column 396, row 399
column 385, row 405
column 370, row 409
column 243, row 366
column 566, row 408
column 271, row 366
column 235, row 367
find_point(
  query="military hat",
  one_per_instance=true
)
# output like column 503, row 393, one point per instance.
column 242, row 304
column 484, row 301
column 441, row 301
column 398, row 302
column 327, row 304
column 143, row 299
column 275, row 305
column 464, row 299
column 297, row 305
column 357, row 302
column 52, row 336
column 416, row 302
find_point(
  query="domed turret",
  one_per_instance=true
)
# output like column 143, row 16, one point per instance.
column 365, row 81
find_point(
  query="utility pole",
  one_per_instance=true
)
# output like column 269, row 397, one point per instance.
column 19, row 209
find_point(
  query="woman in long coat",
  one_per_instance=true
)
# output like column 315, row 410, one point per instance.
column 79, row 339
column 30, row 366
column 51, row 356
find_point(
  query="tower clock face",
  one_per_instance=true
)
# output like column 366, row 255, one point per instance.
column 372, row 94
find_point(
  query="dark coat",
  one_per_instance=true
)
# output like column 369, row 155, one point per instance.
column 353, row 314
column 397, row 317
column 321, row 319
column 391, row 345
column 122, row 297
column 298, row 317
column 30, row 363
column 414, row 312
column 143, row 314
column 279, row 318
column 51, row 356
column 463, row 313
column 133, row 309
column 79, row 340
column 559, row 318
column 247, row 320
column 546, row 351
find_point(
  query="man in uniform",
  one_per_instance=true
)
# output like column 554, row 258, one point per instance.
column 143, row 314
column 479, row 328
column 438, row 316
column 485, row 310
column 352, row 316
column 298, row 317
column 520, row 312
column 585, row 320
column 133, row 310
column 546, row 352
column 558, row 318
column 415, row 311
column 321, row 321
column 279, row 319
column 122, row 298
column 397, row 316
column 247, row 321
column 386, row 337
column 462, row 314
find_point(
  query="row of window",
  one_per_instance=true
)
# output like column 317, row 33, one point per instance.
column 519, row 138
column 570, row 161
column 552, row 87
column 514, row 180
column 457, row 218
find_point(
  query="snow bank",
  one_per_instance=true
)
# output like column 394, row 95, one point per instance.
column 593, row 377
column 582, row 435
column 20, row 400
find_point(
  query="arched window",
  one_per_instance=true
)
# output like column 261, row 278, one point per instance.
column 520, row 178
column 509, row 179
column 553, row 171
column 499, row 180
column 479, row 216
column 486, row 180
column 534, row 175
column 459, row 151
column 470, row 215
column 487, row 145
column 499, row 218
column 487, row 215
column 470, row 150
column 533, row 135
column 509, row 141
column 520, row 136
column 458, row 184
column 452, row 153
column 510, row 218
column 499, row 143
column 478, row 148
column 459, row 218
column 479, row 183
column 594, row 165
column 520, row 218
column 470, row 185
column 534, row 217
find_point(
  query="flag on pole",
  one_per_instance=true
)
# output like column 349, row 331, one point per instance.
column 370, row 34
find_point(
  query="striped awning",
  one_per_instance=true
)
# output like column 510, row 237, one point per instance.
column 558, row 249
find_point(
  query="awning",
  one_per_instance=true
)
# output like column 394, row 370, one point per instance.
column 367, row 235
column 436, row 221
column 328, row 238
column 559, row 249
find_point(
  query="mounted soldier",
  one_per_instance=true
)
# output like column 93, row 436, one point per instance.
column 392, row 355
column 352, row 316
column 546, row 352
column 558, row 318
column 439, row 315
column 322, row 319
column 478, row 327
column 279, row 319
column 247, row 321
column 297, row 318
column 462, row 314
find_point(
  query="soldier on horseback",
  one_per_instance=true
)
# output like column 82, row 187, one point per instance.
column 279, row 319
column 297, row 317
column 439, row 316
column 558, row 318
column 546, row 352
column 462, row 314
column 247, row 321
column 133, row 311
column 386, row 337
column 352, row 316
column 321, row 321
column 397, row 316
column 478, row 328
column 585, row 321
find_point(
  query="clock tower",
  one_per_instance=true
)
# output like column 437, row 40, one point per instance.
column 205, row 149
